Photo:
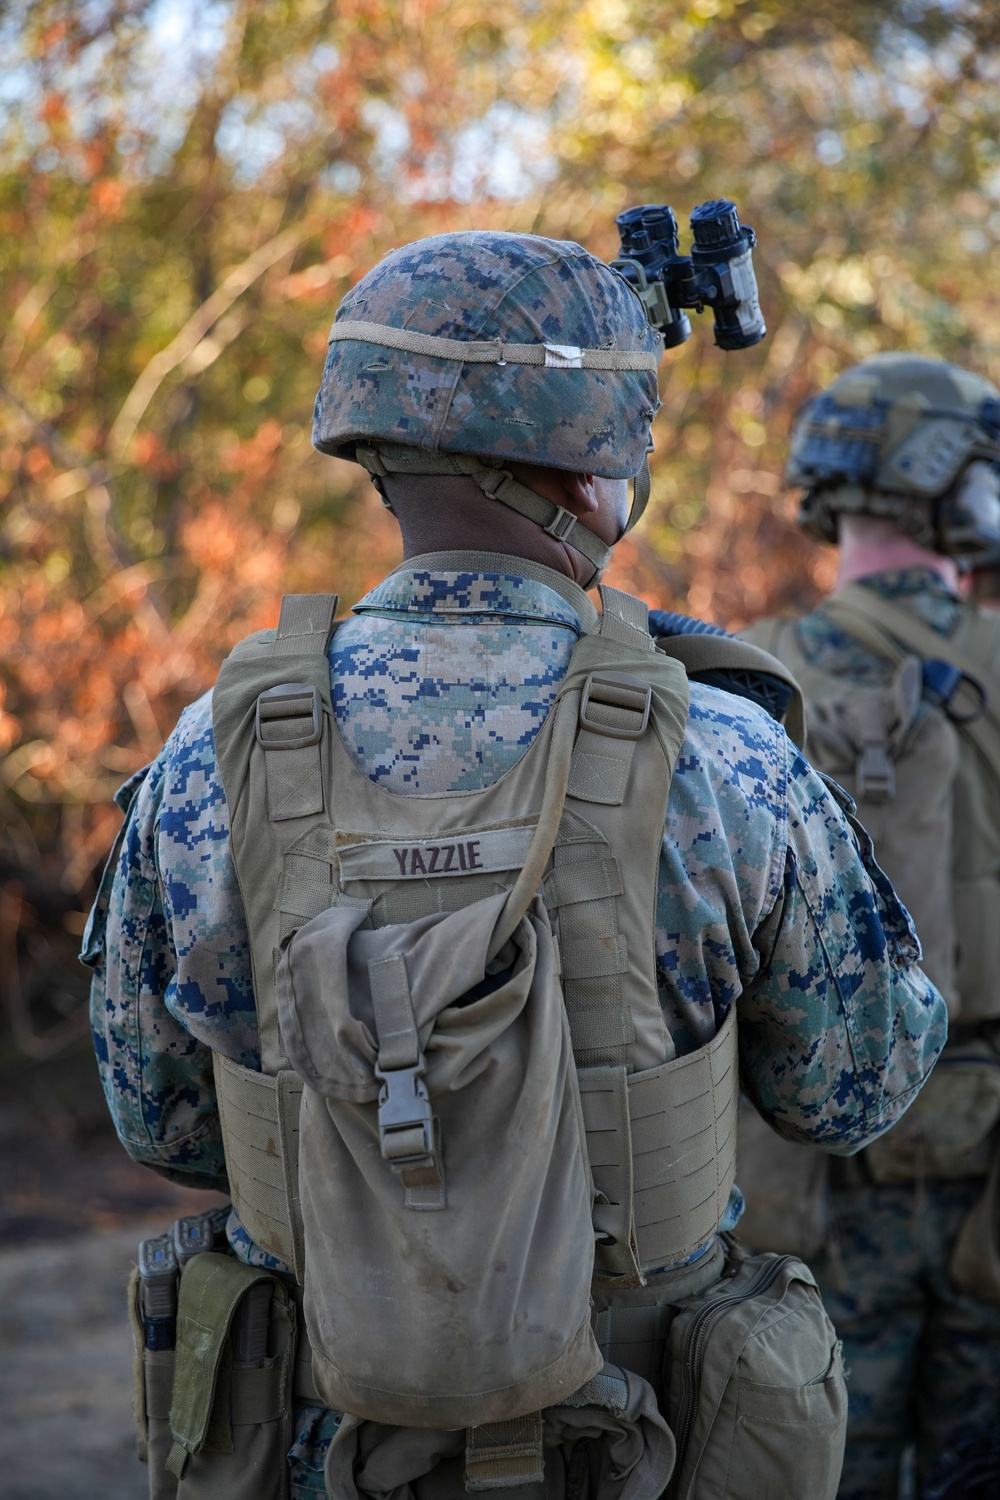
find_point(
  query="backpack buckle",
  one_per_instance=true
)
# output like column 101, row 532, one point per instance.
column 283, row 709
column 875, row 774
column 616, row 704
column 405, row 1122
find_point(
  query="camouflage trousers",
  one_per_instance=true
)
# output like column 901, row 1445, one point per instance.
column 923, row 1362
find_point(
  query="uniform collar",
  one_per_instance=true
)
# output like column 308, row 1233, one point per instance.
column 481, row 584
column 922, row 592
column 898, row 583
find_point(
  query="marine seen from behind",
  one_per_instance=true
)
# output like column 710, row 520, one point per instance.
column 898, row 460
column 439, row 935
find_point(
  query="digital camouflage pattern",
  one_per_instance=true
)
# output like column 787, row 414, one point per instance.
column 484, row 285
column 440, row 682
column 924, row 1362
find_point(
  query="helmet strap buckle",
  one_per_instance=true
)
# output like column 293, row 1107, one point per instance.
column 562, row 525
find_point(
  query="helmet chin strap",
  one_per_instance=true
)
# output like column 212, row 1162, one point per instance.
column 498, row 484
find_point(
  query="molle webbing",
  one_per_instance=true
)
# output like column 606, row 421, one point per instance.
column 260, row 1134
column 664, row 1141
column 660, row 1128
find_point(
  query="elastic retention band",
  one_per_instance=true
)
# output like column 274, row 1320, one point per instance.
column 495, row 351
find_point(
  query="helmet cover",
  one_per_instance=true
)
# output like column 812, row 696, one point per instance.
column 517, row 289
column 890, row 435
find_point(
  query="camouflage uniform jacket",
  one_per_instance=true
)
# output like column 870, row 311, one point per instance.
column 440, row 682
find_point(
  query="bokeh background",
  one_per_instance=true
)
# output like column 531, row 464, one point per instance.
column 187, row 189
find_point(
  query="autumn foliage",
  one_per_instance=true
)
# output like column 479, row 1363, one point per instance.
column 187, row 191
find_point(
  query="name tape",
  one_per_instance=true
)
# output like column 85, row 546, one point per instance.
column 438, row 854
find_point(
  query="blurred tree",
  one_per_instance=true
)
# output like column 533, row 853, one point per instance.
column 187, row 190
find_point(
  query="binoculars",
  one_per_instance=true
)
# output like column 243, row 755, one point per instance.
column 718, row 273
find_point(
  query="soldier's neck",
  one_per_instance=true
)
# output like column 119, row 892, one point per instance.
column 870, row 545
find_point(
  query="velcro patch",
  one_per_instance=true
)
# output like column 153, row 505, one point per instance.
column 437, row 854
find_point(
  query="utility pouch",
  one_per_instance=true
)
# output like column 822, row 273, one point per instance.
column 758, row 1403
column 975, row 1260
column 949, row 1131
column 607, row 1441
column 231, row 1407
column 445, row 1192
column 154, row 1380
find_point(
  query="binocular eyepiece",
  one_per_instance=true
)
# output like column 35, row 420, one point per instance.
column 718, row 273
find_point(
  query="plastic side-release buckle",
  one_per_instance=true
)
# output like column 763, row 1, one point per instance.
column 405, row 1122
column 626, row 702
column 875, row 774
column 281, row 708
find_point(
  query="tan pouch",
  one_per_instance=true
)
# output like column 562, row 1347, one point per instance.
column 230, row 1420
column 607, row 1441
column 948, row 1131
column 975, row 1260
column 976, row 903
column 785, row 1187
column 758, row 1402
column 445, row 1191
column 154, row 1380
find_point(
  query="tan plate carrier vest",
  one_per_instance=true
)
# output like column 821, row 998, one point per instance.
column 971, row 887
column 956, row 905
column 308, row 827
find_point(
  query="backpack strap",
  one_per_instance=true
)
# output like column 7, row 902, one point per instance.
column 259, row 1110
column 894, row 633
column 720, row 653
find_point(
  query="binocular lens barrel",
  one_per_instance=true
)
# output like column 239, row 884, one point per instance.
column 718, row 272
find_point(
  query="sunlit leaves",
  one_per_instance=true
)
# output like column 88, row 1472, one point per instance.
column 188, row 189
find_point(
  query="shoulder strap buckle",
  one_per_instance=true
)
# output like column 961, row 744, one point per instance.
column 283, row 711
column 616, row 704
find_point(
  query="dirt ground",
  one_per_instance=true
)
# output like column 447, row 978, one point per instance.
column 73, row 1208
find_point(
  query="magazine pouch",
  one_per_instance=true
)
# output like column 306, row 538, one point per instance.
column 758, row 1402
column 231, row 1416
column 154, row 1380
column 446, row 1197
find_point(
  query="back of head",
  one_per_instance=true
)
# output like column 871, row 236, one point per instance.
column 895, row 437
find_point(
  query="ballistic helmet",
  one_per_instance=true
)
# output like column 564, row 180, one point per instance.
column 898, row 436
column 463, row 352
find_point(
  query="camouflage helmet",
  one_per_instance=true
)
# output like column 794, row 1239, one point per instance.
column 891, row 437
column 466, row 351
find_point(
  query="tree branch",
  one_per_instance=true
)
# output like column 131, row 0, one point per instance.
column 239, row 279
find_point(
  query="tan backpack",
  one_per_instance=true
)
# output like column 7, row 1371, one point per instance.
column 470, row 1136
column 926, row 780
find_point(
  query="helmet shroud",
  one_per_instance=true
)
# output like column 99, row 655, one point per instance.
column 891, row 437
column 464, row 352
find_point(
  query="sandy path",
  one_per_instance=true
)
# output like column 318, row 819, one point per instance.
column 66, row 1428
